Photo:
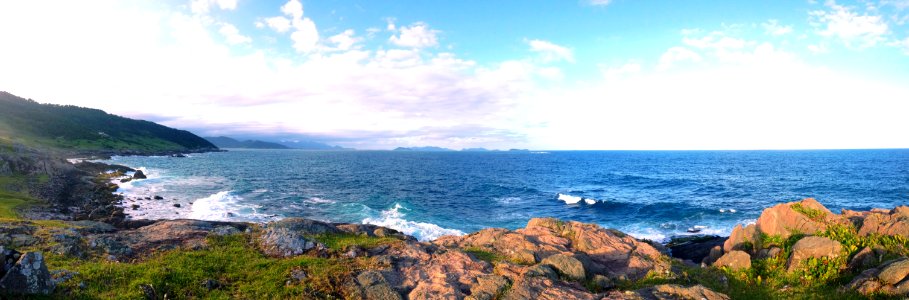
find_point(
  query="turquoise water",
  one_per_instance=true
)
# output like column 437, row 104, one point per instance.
column 649, row 194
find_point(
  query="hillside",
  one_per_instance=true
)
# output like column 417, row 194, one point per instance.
column 80, row 129
column 226, row 142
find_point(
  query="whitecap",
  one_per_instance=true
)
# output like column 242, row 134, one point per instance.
column 590, row 201
column 508, row 200
column 223, row 206
column 569, row 199
column 317, row 200
column 393, row 218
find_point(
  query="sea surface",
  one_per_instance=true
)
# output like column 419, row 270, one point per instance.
column 648, row 194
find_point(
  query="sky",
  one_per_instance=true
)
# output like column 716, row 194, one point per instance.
column 559, row 75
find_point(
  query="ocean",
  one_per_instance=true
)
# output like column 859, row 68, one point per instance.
column 648, row 194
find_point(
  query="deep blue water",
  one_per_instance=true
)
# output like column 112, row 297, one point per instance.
column 652, row 194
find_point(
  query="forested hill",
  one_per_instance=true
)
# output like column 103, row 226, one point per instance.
column 226, row 142
column 82, row 129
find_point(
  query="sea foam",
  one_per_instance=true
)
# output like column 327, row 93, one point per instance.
column 393, row 218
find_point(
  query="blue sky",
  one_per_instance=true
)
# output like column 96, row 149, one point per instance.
column 615, row 74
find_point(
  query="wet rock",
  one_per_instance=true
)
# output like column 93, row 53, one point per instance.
column 735, row 260
column 177, row 205
column 134, row 206
column 674, row 291
column 813, row 247
column 715, row 253
column 693, row 248
column 139, row 175
column 158, row 198
column 783, row 219
column 567, row 266
column 28, row 276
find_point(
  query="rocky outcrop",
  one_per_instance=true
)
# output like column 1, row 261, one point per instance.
column 139, row 175
column 734, row 260
column 891, row 278
column 879, row 221
column 806, row 217
column 28, row 276
column 813, row 247
column 674, row 291
column 741, row 238
column 694, row 248
column 159, row 236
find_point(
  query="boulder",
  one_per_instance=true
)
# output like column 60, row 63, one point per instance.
column 813, row 247
column 283, row 242
column 674, row 291
column 488, row 287
column 566, row 265
column 735, row 260
column 863, row 259
column 694, row 248
column 741, row 238
column 29, row 276
column 883, row 222
column 374, row 287
column 139, row 175
column 894, row 272
column 546, row 288
column 304, row 226
column 787, row 218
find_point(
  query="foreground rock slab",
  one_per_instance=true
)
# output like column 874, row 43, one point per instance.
column 29, row 276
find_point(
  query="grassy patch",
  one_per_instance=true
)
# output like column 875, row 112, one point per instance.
column 484, row 255
column 811, row 213
column 341, row 241
column 10, row 201
column 240, row 270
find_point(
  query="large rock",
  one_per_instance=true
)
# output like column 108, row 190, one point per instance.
column 305, row 226
column 735, row 260
column 139, row 175
column 488, row 287
column 374, row 287
column 566, row 265
column 158, row 236
column 741, row 238
column 28, row 276
column 785, row 219
column 894, row 272
column 674, row 291
column 284, row 242
column 694, row 248
column 813, row 247
column 883, row 222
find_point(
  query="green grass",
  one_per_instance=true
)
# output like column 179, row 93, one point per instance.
column 811, row 213
column 483, row 255
column 10, row 201
column 240, row 269
column 342, row 241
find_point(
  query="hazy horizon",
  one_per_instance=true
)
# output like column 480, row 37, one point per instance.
column 569, row 75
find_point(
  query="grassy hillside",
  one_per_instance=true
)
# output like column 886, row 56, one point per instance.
column 84, row 129
column 226, row 142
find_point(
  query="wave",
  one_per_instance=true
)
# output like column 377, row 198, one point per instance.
column 569, row 199
column 225, row 206
column 393, row 218
column 317, row 200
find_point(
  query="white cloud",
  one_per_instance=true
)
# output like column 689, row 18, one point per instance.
column 854, row 29
column 279, row 24
column 418, row 35
column 305, row 36
column 344, row 40
column 293, row 8
column 615, row 73
column 818, row 49
column 675, row 55
column 232, row 35
column 772, row 27
column 204, row 6
column 550, row 52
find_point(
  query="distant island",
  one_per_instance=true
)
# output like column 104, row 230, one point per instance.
column 227, row 142
column 428, row 148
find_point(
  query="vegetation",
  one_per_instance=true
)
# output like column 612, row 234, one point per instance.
column 343, row 241
column 78, row 128
column 811, row 213
column 483, row 255
column 230, row 268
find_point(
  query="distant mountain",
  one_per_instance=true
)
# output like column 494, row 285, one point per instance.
column 81, row 129
column 475, row 150
column 311, row 145
column 226, row 142
column 429, row 148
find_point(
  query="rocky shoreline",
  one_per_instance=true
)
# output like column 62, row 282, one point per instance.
column 794, row 249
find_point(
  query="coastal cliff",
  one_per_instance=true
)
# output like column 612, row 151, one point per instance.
column 794, row 250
